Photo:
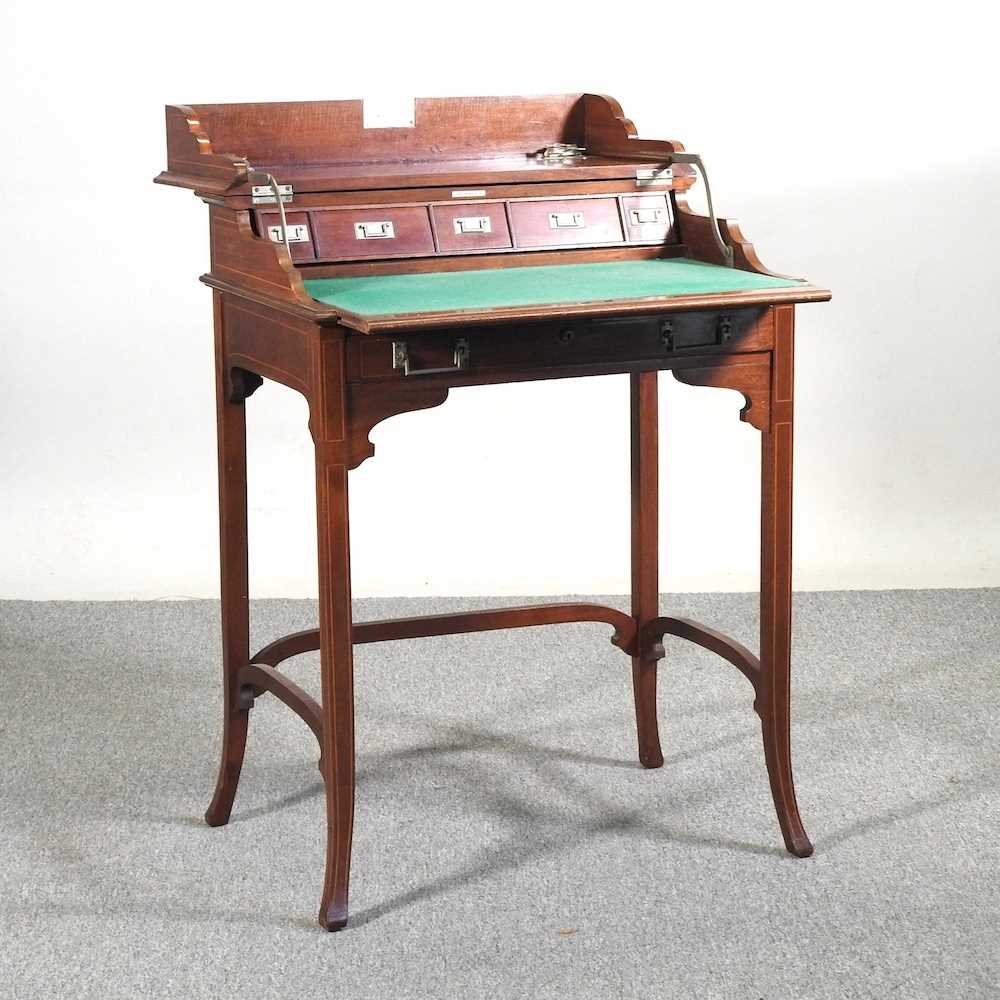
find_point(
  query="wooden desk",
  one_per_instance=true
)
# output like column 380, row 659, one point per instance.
column 474, row 248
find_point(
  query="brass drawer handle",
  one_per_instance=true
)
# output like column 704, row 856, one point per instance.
column 473, row 224
column 566, row 220
column 288, row 234
column 722, row 332
column 401, row 359
column 648, row 216
column 382, row 230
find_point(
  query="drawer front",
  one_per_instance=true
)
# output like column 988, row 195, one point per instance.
column 647, row 217
column 299, row 231
column 566, row 222
column 475, row 226
column 593, row 341
column 361, row 233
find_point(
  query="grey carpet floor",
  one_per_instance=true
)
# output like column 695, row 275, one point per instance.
column 507, row 845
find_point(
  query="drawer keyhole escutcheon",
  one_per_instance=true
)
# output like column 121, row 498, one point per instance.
column 566, row 336
column 667, row 334
column 725, row 329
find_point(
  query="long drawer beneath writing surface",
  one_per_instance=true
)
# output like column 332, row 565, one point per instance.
column 594, row 341
column 395, row 231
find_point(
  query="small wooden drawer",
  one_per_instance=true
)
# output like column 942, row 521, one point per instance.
column 301, row 241
column 594, row 342
column 566, row 222
column 382, row 231
column 647, row 218
column 476, row 226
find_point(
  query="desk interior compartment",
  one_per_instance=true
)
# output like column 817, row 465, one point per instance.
column 299, row 232
column 479, row 225
column 566, row 222
column 647, row 218
column 382, row 231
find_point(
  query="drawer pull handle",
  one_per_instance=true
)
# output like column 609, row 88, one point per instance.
column 647, row 216
column 473, row 224
column 294, row 234
column 565, row 220
column 374, row 231
column 401, row 359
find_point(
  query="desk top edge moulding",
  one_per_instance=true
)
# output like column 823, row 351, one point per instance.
column 493, row 240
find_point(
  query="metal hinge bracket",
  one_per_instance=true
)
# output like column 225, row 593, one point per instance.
column 263, row 194
column 651, row 176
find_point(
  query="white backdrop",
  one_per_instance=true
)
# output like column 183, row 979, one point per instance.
column 857, row 148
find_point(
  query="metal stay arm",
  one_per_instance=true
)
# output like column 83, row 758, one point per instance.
column 263, row 179
column 662, row 174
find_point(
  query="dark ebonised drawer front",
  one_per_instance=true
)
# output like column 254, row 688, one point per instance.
column 596, row 342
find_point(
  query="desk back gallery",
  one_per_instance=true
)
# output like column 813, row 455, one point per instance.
column 493, row 240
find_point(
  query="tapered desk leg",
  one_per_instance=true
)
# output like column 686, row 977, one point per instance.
column 231, row 417
column 337, row 672
column 645, row 557
column 776, row 590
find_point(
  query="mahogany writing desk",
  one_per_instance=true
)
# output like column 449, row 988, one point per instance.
column 492, row 240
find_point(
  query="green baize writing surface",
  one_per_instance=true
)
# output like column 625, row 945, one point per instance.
column 497, row 288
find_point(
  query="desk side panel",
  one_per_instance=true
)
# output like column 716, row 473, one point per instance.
column 695, row 232
column 269, row 342
column 239, row 257
column 192, row 162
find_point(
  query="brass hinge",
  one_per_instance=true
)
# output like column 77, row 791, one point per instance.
column 263, row 194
